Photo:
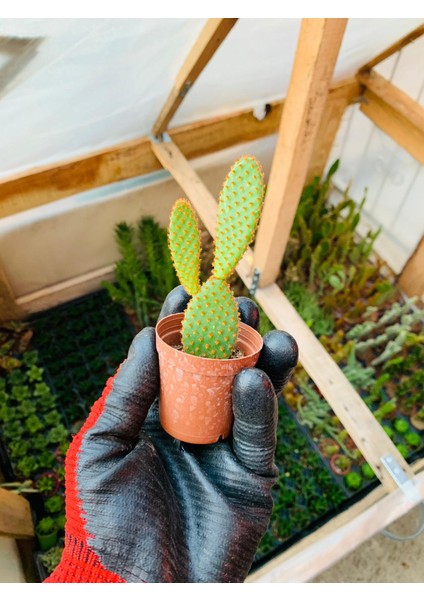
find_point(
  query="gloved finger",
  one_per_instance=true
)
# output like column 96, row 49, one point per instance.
column 249, row 312
column 278, row 357
column 255, row 421
column 114, row 424
column 175, row 302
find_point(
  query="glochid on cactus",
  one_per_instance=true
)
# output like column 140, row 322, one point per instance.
column 210, row 324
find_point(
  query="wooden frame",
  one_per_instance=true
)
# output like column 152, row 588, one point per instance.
column 407, row 39
column 133, row 159
column 319, row 44
column 411, row 280
column 393, row 111
column 316, row 55
column 208, row 42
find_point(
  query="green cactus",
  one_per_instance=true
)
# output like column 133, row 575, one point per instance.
column 211, row 320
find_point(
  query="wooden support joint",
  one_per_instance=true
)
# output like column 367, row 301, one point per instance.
column 394, row 112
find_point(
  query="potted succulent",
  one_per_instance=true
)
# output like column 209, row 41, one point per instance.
column 46, row 531
column 201, row 350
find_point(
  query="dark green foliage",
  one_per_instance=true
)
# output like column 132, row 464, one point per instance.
column 54, row 504
column 307, row 305
column 144, row 274
column 46, row 525
column 324, row 252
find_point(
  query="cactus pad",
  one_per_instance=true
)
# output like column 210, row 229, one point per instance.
column 239, row 209
column 211, row 321
column 184, row 244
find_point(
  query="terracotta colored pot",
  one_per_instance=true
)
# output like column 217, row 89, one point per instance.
column 195, row 403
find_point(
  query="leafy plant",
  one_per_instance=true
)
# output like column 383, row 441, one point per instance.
column 46, row 526
column 307, row 305
column 144, row 274
column 324, row 252
column 54, row 504
column 210, row 323
column 51, row 558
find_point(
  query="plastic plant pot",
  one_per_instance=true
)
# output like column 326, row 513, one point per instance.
column 340, row 464
column 195, row 403
column 47, row 541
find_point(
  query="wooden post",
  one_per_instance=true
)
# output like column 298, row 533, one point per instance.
column 411, row 280
column 316, row 55
column 208, row 42
column 15, row 516
column 9, row 310
column 334, row 109
column 394, row 112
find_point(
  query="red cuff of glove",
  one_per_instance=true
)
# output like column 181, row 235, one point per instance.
column 80, row 565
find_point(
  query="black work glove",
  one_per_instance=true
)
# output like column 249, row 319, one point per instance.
column 142, row 506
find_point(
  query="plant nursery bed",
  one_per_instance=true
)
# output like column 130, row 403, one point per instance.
column 80, row 344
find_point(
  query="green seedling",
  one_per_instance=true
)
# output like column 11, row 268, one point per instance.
column 413, row 439
column 353, row 480
column 211, row 320
column 367, row 472
column 401, row 426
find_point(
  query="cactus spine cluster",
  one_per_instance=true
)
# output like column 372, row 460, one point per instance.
column 211, row 320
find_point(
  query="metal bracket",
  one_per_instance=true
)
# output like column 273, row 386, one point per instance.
column 184, row 90
column 255, row 282
column 158, row 139
column 406, row 485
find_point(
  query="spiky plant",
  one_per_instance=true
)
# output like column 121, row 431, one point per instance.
column 211, row 320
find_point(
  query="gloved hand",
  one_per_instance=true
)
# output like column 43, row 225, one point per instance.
column 141, row 506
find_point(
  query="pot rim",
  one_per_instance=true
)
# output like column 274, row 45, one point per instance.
column 203, row 360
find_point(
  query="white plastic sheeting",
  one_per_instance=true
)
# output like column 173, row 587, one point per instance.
column 72, row 86
column 96, row 82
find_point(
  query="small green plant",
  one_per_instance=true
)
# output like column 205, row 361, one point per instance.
column 51, row 558
column 54, row 504
column 403, row 450
column 307, row 305
column 353, row 480
column 45, row 485
column 144, row 274
column 413, row 439
column 401, row 425
column 367, row 471
column 45, row 526
column 210, row 323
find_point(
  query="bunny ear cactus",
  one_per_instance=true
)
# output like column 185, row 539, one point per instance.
column 211, row 320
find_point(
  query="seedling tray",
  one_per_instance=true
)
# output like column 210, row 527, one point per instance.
column 81, row 344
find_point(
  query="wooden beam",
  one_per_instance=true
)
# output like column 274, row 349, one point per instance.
column 15, row 516
column 411, row 280
column 323, row 553
column 334, row 109
column 322, row 533
column 407, row 39
column 316, row 55
column 132, row 159
column 208, row 42
column 394, row 112
column 9, row 309
column 355, row 416
column 65, row 290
